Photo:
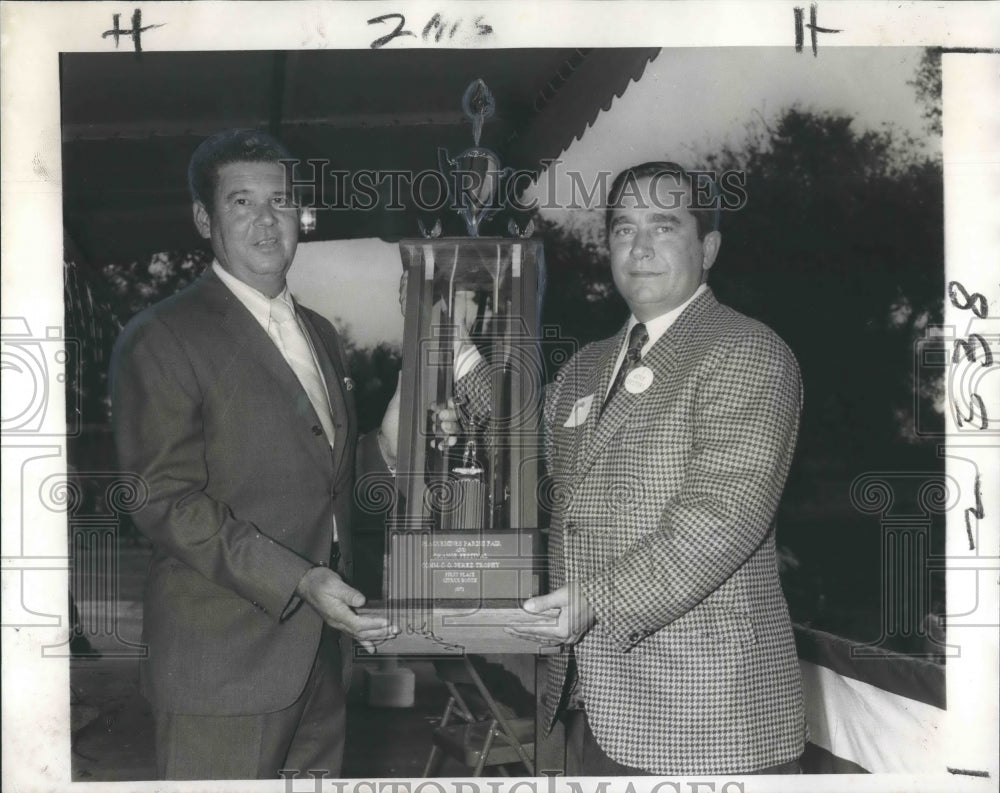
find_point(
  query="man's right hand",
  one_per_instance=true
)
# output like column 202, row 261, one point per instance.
column 335, row 602
column 447, row 424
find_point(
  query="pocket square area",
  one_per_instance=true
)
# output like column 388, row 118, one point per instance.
column 579, row 412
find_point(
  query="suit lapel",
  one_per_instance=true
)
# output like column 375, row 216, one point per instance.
column 663, row 359
column 335, row 378
column 597, row 383
column 248, row 335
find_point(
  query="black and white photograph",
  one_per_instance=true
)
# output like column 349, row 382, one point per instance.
column 595, row 394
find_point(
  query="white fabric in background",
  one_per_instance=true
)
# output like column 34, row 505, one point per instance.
column 880, row 731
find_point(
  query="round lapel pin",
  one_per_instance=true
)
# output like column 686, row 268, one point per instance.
column 638, row 380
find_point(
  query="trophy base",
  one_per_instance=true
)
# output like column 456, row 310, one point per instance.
column 441, row 629
column 452, row 592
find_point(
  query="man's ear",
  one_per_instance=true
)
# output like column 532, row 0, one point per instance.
column 202, row 220
column 710, row 249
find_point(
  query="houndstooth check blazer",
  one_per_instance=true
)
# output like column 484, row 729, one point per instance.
column 664, row 514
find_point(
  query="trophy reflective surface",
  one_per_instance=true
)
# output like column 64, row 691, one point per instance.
column 463, row 547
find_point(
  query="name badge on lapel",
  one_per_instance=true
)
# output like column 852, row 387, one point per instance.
column 579, row 412
column 638, row 380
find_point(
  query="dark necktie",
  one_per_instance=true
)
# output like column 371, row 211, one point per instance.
column 636, row 341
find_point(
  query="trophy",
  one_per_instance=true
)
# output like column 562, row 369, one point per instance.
column 463, row 548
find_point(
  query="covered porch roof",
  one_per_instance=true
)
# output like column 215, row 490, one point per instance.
column 130, row 125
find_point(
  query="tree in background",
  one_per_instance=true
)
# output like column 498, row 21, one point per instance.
column 374, row 371
column 927, row 84
column 138, row 284
column 840, row 248
column 97, row 306
column 580, row 299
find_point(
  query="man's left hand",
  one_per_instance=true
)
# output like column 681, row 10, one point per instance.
column 571, row 610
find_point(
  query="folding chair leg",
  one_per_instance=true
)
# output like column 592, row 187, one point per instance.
column 498, row 718
column 436, row 756
column 487, row 745
column 433, row 762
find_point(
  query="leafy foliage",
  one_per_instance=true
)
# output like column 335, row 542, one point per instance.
column 138, row 284
column 840, row 248
column 927, row 84
column 580, row 297
column 97, row 306
column 374, row 371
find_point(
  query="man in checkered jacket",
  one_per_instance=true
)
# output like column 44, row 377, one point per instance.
column 669, row 443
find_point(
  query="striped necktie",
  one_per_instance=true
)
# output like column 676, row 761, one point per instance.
column 636, row 341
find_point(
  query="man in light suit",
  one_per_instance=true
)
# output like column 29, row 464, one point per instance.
column 670, row 443
column 234, row 404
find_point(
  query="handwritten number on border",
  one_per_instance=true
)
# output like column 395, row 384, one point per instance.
column 965, row 348
column 977, row 511
column 814, row 28
column 135, row 31
column 437, row 28
column 975, row 301
column 381, row 42
column 969, row 351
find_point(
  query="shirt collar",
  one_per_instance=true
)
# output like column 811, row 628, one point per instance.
column 657, row 326
column 257, row 303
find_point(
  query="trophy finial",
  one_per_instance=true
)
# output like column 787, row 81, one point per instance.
column 478, row 105
column 476, row 176
column 429, row 233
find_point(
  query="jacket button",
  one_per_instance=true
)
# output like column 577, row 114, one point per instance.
column 317, row 429
column 635, row 636
column 570, row 527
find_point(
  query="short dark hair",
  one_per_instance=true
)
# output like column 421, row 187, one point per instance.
column 706, row 217
column 228, row 146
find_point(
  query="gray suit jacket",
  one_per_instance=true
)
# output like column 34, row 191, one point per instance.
column 243, row 488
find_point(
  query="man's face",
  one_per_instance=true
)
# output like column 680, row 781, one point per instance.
column 657, row 260
column 253, row 228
